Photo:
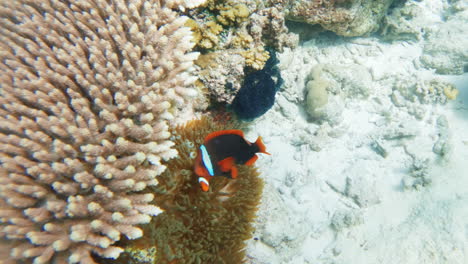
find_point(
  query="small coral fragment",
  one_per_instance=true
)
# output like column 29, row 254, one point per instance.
column 450, row 92
column 230, row 15
column 205, row 36
column 242, row 40
column 425, row 91
column 256, row 58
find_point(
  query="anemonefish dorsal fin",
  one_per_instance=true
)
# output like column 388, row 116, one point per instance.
column 261, row 146
column 204, row 184
column 252, row 160
column 226, row 164
column 224, row 132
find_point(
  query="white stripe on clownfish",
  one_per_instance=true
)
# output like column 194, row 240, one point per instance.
column 206, row 160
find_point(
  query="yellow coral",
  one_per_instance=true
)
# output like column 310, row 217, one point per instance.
column 450, row 92
column 441, row 88
column 241, row 40
column 206, row 35
column 196, row 31
column 208, row 60
column 235, row 14
column 256, row 57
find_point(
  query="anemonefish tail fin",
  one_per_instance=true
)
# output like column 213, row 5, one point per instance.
column 252, row 160
column 261, row 146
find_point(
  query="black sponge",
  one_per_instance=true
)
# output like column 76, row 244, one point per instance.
column 257, row 94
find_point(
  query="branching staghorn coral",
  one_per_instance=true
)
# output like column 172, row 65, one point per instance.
column 87, row 89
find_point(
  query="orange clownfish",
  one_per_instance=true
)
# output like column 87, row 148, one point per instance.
column 221, row 151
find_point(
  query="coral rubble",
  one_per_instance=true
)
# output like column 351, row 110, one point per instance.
column 440, row 25
column 445, row 49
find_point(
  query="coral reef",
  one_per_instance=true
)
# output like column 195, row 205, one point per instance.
column 197, row 226
column 234, row 35
column 87, row 90
column 257, row 94
column 222, row 72
column 348, row 18
column 268, row 25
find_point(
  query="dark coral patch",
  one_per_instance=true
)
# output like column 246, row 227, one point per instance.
column 257, row 94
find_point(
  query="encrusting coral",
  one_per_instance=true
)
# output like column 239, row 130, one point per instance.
column 87, row 89
column 197, row 226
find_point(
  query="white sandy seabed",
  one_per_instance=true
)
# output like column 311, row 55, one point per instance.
column 384, row 179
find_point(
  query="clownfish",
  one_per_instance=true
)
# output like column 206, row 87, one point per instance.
column 220, row 153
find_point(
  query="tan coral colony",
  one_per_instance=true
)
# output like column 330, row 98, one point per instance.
column 87, row 92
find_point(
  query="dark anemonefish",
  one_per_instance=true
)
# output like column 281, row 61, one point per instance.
column 221, row 151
